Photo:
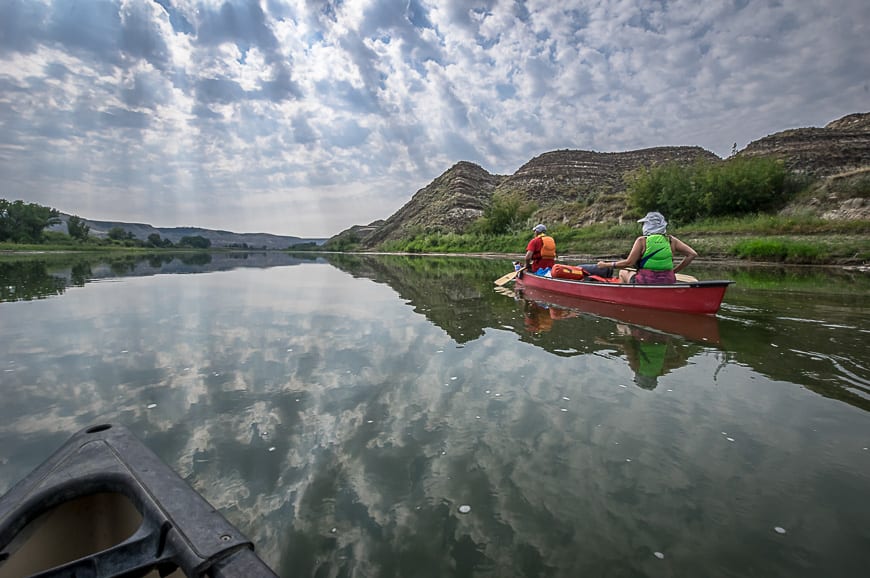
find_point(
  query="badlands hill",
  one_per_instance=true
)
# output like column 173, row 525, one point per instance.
column 579, row 187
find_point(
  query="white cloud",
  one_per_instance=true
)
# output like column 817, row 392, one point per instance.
column 234, row 115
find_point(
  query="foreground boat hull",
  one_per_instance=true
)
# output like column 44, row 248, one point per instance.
column 104, row 505
column 700, row 297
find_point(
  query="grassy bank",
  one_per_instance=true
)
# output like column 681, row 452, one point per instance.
column 761, row 238
column 766, row 238
column 9, row 251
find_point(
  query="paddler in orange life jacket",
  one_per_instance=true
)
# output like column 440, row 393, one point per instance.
column 541, row 251
column 653, row 254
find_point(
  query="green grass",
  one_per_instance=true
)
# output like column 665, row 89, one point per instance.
column 776, row 224
column 86, row 248
column 781, row 251
column 569, row 240
column 799, row 239
column 770, row 238
column 61, row 247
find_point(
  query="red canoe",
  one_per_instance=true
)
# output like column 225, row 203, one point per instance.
column 701, row 297
column 701, row 328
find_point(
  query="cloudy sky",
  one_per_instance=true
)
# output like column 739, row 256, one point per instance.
column 303, row 117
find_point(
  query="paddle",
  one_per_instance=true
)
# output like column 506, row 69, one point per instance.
column 505, row 279
column 682, row 278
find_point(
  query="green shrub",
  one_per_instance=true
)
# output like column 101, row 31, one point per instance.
column 666, row 188
column 506, row 213
column 738, row 186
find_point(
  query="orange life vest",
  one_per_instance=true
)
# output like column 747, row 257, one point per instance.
column 548, row 250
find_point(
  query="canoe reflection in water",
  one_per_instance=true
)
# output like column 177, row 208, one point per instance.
column 539, row 317
column 652, row 342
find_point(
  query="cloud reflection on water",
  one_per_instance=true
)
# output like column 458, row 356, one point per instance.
column 341, row 429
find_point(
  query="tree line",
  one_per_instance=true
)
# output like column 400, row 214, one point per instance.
column 26, row 223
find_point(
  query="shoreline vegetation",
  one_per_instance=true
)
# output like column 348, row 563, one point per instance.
column 772, row 239
column 793, row 240
column 767, row 239
column 760, row 239
column 29, row 275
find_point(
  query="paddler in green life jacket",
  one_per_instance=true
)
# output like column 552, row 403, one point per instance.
column 653, row 254
column 541, row 251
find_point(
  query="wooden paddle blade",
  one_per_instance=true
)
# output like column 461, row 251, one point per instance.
column 509, row 277
column 504, row 279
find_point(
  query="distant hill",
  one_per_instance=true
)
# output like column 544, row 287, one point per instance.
column 578, row 188
column 218, row 238
column 583, row 187
column 841, row 146
column 450, row 202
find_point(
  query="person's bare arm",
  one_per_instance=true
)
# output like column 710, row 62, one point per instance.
column 688, row 253
column 636, row 251
column 633, row 255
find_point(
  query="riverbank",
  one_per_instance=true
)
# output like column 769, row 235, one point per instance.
column 758, row 239
column 816, row 250
column 786, row 239
column 830, row 249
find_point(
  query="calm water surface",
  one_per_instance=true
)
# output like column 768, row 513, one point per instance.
column 341, row 412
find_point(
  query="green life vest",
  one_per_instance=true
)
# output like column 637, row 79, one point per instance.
column 658, row 255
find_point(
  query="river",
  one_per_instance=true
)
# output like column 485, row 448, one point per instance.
column 398, row 416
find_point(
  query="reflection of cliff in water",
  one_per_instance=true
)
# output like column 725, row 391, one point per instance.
column 454, row 293
column 49, row 275
column 457, row 295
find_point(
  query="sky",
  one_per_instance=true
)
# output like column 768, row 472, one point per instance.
column 304, row 117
